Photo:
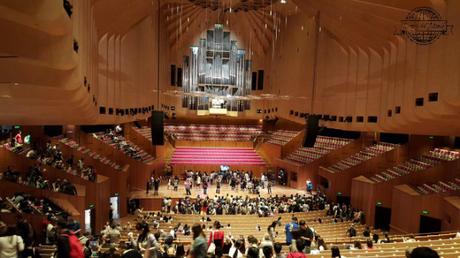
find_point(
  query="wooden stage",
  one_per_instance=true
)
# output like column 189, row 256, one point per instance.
column 152, row 202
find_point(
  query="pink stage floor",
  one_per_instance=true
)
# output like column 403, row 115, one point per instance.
column 218, row 156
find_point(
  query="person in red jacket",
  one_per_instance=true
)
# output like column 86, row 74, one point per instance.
column 300, row 244
column 18, row 138
column 217, row 237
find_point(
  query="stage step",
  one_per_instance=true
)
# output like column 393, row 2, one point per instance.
column 218, row 156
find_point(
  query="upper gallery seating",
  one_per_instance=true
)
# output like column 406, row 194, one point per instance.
column 423, row 162
column 442, row 186
column 25, row 203
column 281, row 137
column 323, row 146
column 84, row 150
column 53, row 156
column 130, row 149
column 36, row 179
column 144, row 131
column 361, row 156
column 195, row 132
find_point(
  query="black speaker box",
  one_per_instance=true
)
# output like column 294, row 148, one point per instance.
column 157, row 128
column 311, row 131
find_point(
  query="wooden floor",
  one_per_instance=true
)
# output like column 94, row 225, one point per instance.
column 225, row 189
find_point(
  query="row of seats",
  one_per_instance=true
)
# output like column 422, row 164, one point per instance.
column 281, row 137
column 323, row 146
column 444, row 247
column 92, row 154
column 445, row 154
column 130, row 149
column 430, row 159
column 145, row 131
column 439, row 187
column 361, row 156
column 213, row 132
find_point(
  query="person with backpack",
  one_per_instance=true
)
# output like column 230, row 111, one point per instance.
column 68, row 244
column 11, row 245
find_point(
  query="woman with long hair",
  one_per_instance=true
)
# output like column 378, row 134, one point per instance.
column 199, row 246
column 335, row 252
column 146, row 242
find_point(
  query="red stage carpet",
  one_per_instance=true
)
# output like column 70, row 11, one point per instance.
column 217, row 156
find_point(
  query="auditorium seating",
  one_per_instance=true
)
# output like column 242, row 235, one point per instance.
column 219, row 156
column 195, row 132
column 323, row 146
column 445, row 247
column 36, row 179
column 281, row 137
column 425, row 161
column 25, row 203
column 129, row 148
column 248, row 224
column 84, row 150
column 361, row 156
column 85, row 173
column 144, row 131
column 442, row 186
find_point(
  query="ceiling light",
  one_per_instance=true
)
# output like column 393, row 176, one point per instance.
column 283, row 1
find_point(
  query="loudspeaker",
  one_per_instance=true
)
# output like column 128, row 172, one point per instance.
column 157, row 127
column 260, row 80
column 179, row 77
column 254, row 81
column 311, row 131
column 173, row 75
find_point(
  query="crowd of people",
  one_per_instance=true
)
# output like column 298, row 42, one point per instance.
column 36, row 179
column 232, row 205
column 146, row 237
column 238, row 180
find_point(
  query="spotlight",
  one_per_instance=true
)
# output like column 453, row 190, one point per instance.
column 283, row 1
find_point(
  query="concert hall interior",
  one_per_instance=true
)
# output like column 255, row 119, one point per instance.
column 230, row 128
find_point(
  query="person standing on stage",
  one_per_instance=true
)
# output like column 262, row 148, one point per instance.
column 309, row 185
column 176, row 183
column 188, row 186
column 218, row 187
column 147, row 188
column 205, row 187
column 269, row 187
column 156, row 186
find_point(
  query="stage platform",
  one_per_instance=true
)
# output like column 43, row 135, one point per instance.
column 152, row 202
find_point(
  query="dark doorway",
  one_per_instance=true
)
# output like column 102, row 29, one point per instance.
column 343, row 199
column 382, row 218
column 323, row 182
column 429, row 224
